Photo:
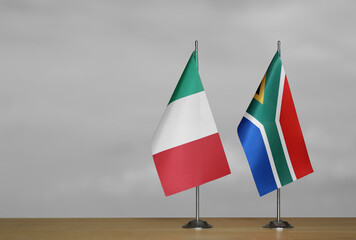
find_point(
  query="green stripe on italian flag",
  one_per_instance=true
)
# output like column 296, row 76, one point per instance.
column 186, row 146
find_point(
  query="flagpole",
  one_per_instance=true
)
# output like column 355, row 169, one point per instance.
column 278, row 223
column 278, row 205
column 197, row 204
column 197, row 188
column 197, row 223
column 278, row 189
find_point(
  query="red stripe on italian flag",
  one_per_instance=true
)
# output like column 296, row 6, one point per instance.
column 191, row 164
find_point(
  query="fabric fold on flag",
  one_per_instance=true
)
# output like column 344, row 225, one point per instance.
column 186, row 146
column 271, row 135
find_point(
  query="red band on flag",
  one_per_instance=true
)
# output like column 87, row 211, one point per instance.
column 293, row 135
column 191, row 164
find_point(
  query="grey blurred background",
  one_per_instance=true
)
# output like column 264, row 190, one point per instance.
column 85, row 83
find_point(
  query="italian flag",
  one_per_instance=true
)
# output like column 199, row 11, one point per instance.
column 186, row 146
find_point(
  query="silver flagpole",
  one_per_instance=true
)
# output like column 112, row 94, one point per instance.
column 197, row 222
column 278, row 189
column 278, row 223
column 278, row 205
column 197, row 188
column 197, row 204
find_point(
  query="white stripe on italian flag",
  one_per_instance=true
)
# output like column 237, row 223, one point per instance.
column 185, row 120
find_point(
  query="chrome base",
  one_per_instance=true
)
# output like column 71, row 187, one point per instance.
column 278, row 224
column 197, row 224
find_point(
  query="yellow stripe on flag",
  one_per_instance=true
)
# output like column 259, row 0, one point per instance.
column 259, row 95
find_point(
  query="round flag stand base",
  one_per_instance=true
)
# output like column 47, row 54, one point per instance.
column 278, row 224
column 200, row 224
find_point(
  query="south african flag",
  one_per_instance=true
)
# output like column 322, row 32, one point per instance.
column 270, row 133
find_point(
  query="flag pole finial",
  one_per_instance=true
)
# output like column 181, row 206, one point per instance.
column 196, row 45
column 279, row 46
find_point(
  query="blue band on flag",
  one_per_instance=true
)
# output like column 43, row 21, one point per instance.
column 255, row 150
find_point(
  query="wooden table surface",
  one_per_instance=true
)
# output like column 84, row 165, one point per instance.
column 170, row 228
